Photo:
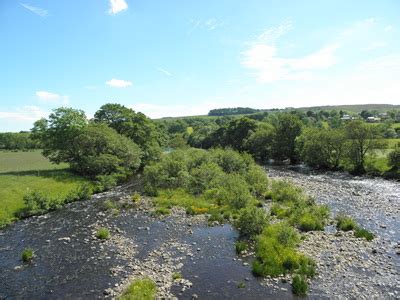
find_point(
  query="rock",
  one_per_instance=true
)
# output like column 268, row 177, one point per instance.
column 66, row 239
column 194, row 296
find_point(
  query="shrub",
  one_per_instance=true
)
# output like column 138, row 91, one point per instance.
column 299, row 286
column 108, row 204
column 161, row 211
column 84, row 192
column 251, row 221
column 176, row 275
column 257, row 180
column 285, row 191
column 105, row 182
column 363, row 233
column 136, row 197
column 103, row 234
column 275, row 251
column 240, row 246
column 36, row 203
column 345, row 223
column 143, row 289
column 27, row 255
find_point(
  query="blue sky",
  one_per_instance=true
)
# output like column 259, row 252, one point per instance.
column 172, row 58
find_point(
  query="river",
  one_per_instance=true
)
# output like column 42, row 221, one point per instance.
column 71, row 263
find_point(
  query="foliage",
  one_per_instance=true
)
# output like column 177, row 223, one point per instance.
column 394, row 158
column 241, row 246
column 251, row 221
column 323, row 148
column 100, row 150
column 176, row 275
column 299, row 285
column 17, row 141
column 260, row 142
column 290, row 203
column 136, row 126
column 362, row 139
column 276, row 252
column 27, row 255
column 363, row 233
column 345, row 223
column 232, row 111
column 140, row 289
column 287, row 128
column 103, row 233
column 136, row 197
column 57, row 134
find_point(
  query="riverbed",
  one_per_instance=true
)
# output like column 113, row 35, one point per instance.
column 70, row 262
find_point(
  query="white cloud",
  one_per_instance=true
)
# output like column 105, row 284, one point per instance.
column 262, row 57
column 24, row 113
column 270, row 35
column 36, row 10
column 388, row 28
column 375, row 45
column 165, row 72
column 387, row 63
column 117, row 6
column 48, row 97
column 118, row 83
column 208, row 24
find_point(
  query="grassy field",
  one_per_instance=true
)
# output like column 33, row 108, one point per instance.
column 23, row 172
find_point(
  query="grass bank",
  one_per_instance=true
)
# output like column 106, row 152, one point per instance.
column 24, row 172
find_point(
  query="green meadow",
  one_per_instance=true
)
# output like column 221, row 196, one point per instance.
column 24, row 172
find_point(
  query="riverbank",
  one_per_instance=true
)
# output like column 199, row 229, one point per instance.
column 71, row 262
column 347, row 266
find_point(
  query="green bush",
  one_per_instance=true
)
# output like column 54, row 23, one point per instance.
column 161, row 211
column 299, row 286
column 283, row 191
column 251, row 221
column 140, row 289
column 345, row 223
column 136, row 197
column 240, row 246
column 108, row 205
column 35, row 203
column 27, row 255
column 363, row 233
column 103, row 234
column 176, row 275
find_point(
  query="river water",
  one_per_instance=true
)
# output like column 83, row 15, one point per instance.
column 71, row 263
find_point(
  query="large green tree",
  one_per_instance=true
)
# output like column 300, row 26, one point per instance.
column 135, row 126
column 260, row 142
column 320, row 147
column 57, row 133
column 100, row 150
column 362, row 139
column 287, row 129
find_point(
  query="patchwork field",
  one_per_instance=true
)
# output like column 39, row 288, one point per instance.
column 24, row 172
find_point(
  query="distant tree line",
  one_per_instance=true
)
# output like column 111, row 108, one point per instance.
column 232, row 111
column 17, row 141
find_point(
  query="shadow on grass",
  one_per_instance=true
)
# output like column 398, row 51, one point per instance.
column 56, row 174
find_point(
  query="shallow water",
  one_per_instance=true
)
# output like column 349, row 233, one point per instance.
column 81, row 268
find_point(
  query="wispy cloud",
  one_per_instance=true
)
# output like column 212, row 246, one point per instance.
column 271, row 34
column 388, row 28
column 208, row 24
column 36, row 10
column 375, row 45
column 165, row 72
column 118, row 83
column 25, row 113
column 262, row 57
column 117, row 6
column 49, row 97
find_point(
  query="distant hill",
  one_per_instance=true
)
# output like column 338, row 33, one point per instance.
column 232, row 111
column 356, row 108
